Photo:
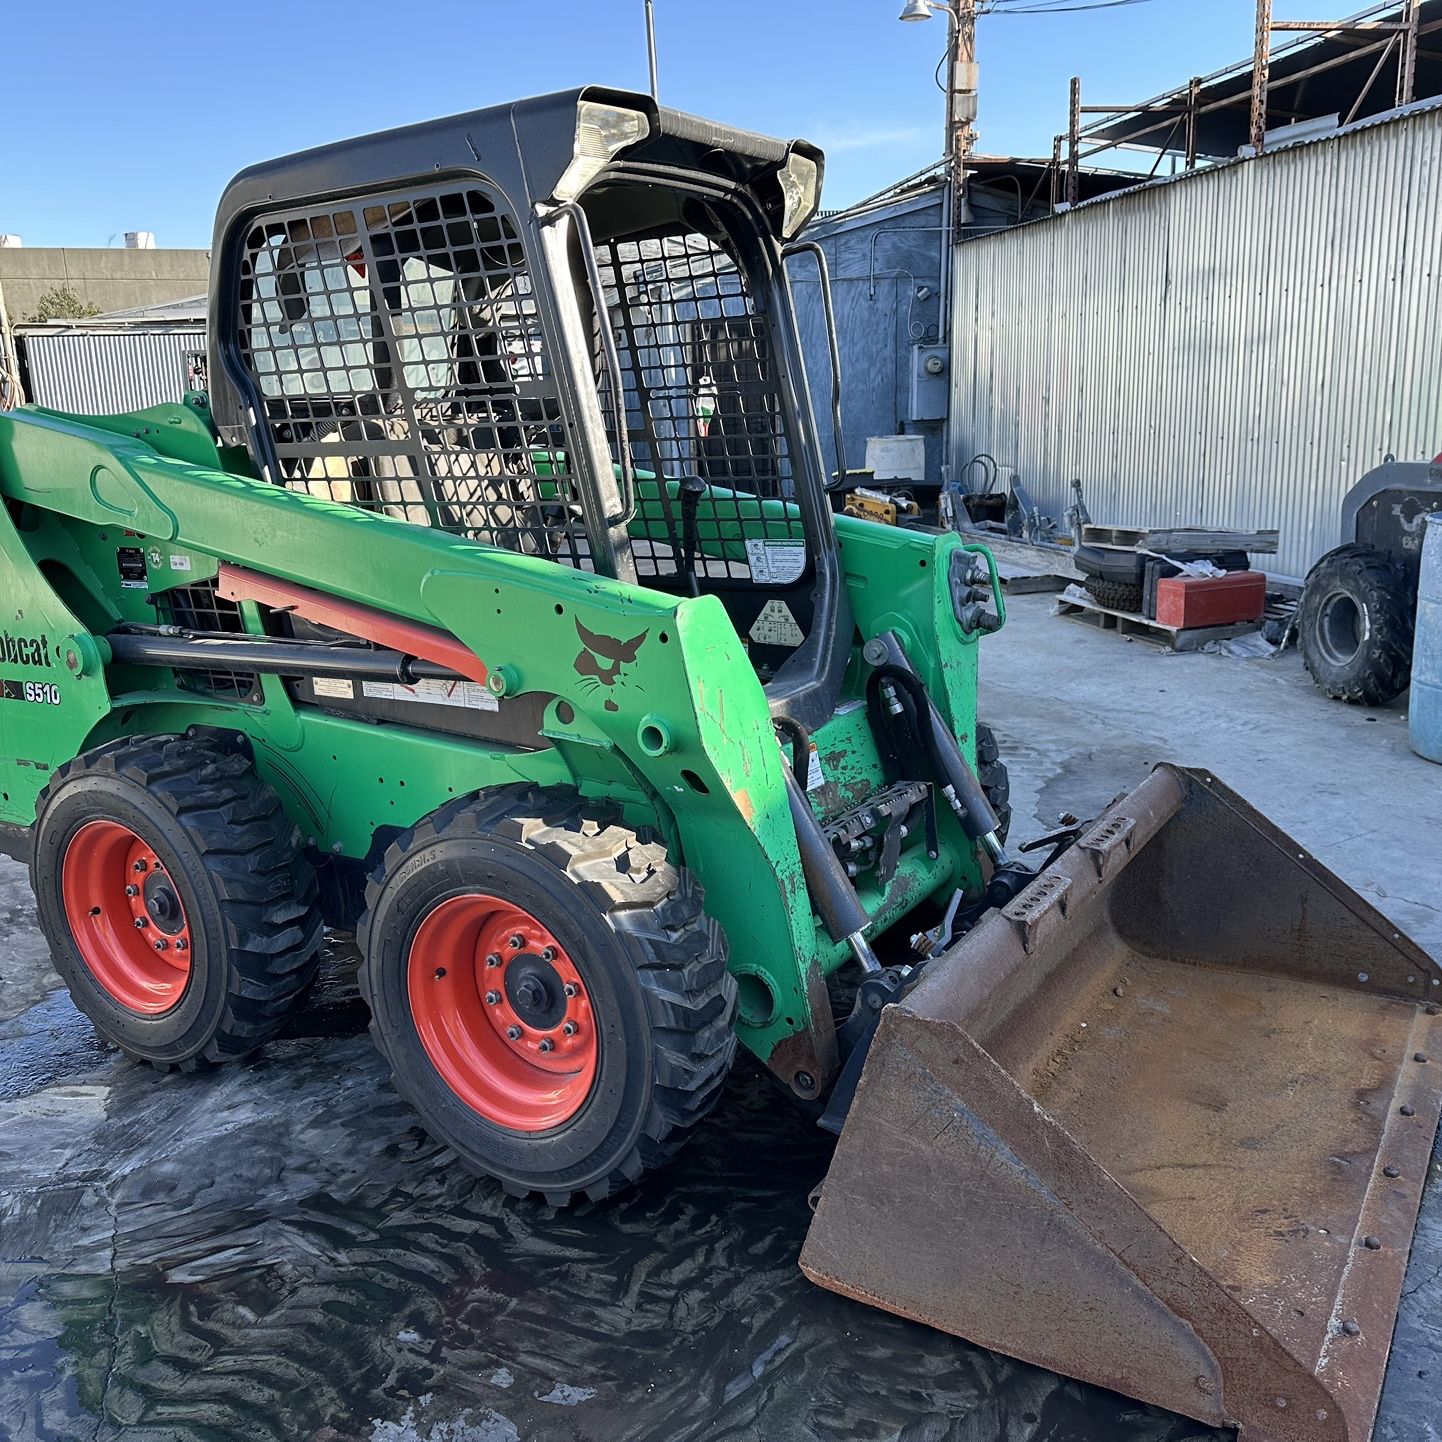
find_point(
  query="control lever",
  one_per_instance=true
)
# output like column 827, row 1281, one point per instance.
column 692, row 488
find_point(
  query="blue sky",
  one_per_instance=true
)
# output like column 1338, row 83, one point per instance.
column 133, row 116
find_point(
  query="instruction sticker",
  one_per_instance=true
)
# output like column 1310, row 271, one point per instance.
column 815, row 776
column 776, row 626
column 775, row 563
column 432, row 692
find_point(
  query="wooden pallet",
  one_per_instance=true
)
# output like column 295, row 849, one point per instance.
column 1130, row 623
column 1180, row 538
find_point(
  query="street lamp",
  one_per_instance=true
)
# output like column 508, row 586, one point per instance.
column 915, row 10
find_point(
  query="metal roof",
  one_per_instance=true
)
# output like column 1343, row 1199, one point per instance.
column 188, row 312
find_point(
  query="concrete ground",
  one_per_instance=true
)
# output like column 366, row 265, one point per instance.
column 274, row 1249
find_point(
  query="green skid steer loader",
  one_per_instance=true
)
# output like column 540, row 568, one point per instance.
column 491, row 605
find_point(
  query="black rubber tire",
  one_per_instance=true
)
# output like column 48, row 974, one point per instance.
column 994, row 777
column 1114, row 595
column 236, row 861
column 1355, row 625
column 1107, row 563
column 633, row 924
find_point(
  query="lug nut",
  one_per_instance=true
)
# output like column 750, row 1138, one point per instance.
column 517, row 941
column 514, row 1032
column 182, row 945
column 161, row 945
column 132, row 890
column 570, row 989
column 570, row 1028
column 494, row 959
column 139, row 866
column 493, row 998
column 549, row 954
column 547, row 1044
column 141, row 923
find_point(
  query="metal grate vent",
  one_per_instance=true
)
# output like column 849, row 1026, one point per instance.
column 397, row 348
column 199, row 608
column 701, row 399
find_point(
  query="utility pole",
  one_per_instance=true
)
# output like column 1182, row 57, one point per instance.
column 961, row 107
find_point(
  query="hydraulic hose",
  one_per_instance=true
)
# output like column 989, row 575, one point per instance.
column 893, row 676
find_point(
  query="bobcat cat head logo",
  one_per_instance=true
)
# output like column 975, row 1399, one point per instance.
column 602, row 660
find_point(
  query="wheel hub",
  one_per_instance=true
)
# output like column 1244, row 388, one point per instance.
column 534, row 989
column 126, row 917
column 162, row 904
column 502, row 1012
column 1341, row 628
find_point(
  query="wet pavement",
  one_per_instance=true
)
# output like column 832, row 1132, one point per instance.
column 275, row 1250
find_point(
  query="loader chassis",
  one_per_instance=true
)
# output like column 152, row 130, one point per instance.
column 491, row 604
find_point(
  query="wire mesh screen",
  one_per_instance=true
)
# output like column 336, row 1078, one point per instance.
column 202, row 609
column 398, row 353
column 701, row 400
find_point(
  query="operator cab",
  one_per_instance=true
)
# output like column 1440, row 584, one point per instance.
column 412, row 323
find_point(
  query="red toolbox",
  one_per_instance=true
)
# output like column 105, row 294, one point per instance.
column 1185, row 602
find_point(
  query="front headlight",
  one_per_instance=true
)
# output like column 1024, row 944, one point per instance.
column 602, row 133
column 800, row 181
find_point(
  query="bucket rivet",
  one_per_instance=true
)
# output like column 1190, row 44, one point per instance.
column 1433, row 1009
column 1117, row 991
column 1390, row 1172
column 1372, row 1244
column 1350, row 1328
column 1280, row 1401
column 804, row 1081
column 1419, row 1056
column 1406, row 1111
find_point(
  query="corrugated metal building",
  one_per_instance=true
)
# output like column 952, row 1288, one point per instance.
column 124, row 361
column 884, row 256
column 1231, row 347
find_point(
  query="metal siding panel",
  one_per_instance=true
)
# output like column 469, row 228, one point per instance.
column 889, row 250
column 1232, row 348
column 107, row 372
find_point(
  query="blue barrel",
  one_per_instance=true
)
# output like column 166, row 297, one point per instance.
column 1425, row 707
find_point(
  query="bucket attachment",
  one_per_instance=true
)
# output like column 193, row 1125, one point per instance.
column 1162, row 1123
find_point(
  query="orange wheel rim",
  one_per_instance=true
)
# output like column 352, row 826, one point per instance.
column 502, row 1012
column 126, row 917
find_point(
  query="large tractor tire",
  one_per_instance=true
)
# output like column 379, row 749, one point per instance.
column 994, row 777
column 1354, row 626
column 549, row 993
column 173, row 891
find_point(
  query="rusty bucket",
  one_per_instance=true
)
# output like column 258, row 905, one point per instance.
column 1162, row 1124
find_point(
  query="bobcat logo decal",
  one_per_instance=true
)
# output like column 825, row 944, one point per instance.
column 603, row 658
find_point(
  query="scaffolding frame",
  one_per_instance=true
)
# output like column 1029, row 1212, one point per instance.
column 1387, row 39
